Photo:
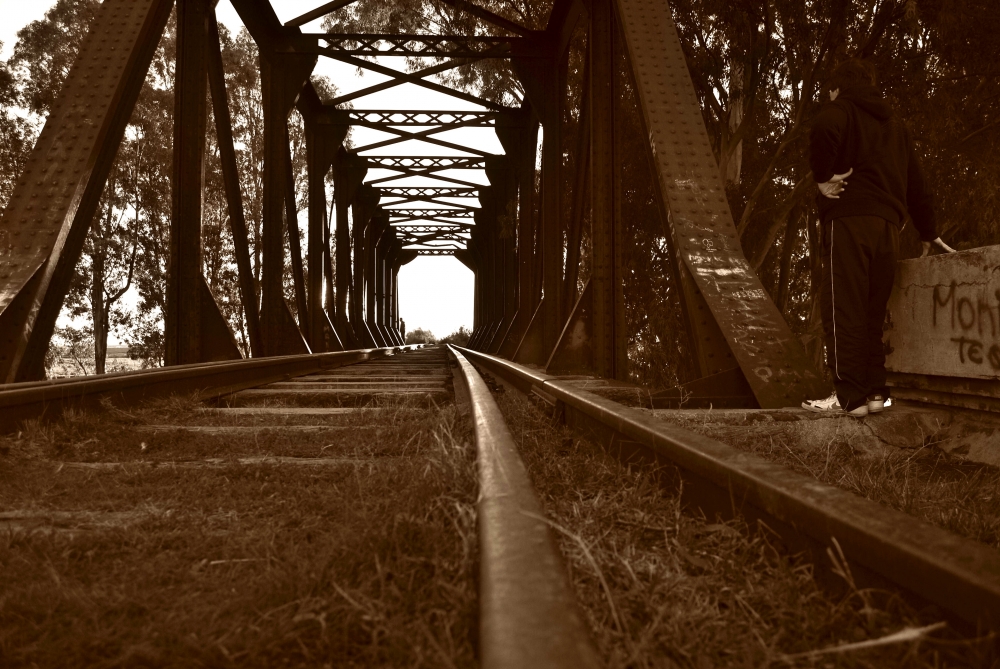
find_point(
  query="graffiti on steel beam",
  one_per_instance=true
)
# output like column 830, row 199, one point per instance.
column 770, row 355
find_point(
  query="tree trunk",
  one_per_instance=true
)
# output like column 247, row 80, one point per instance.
column 733, row 157
column 98, row 309
column 785, row 263
column 813, row 338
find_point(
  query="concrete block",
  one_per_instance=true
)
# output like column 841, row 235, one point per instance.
column 944, row 316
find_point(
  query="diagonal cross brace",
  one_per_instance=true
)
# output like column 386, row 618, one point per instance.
column 770, row 355
column 46, row 221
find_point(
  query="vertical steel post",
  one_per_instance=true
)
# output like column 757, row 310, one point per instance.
column 605, row 275
column 231, row 178
column 365, row 204
column 282, row 79
column 294, row 243
column 372, row 234
column 527, row 288
column 183, row 316
column 551, row 209
column 347, row 177
column 320, row 150
column 272, row 253
column 381, row 286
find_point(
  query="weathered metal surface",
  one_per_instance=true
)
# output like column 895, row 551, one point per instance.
column 527, row 616
column 282, row 79
column 574, row 353
column 323, row 140
column 182, row 318
column 451, row 46
column 609, row 357
column 769, row 354
column 51, row 207
column 231, row 179
column 417, row 117
column 959, row 575
column 217, row 341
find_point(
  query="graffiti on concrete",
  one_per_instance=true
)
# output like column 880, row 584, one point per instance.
column 973, row 322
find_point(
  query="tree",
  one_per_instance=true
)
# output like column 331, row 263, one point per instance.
column 459, row 337
column 420, row 336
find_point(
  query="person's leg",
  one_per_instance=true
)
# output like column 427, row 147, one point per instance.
column 847, row 267
column 881, row 279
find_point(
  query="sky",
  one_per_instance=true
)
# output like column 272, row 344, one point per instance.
column 435, row 293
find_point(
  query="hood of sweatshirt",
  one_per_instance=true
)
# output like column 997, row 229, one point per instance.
column 868, row 99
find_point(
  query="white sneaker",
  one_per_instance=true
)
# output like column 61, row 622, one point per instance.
column 831, row 405
column 877, row 403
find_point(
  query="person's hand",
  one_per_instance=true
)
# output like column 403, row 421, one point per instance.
column 835, row 185
column 938, row 243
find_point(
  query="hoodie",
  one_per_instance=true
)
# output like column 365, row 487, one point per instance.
column 859, row 130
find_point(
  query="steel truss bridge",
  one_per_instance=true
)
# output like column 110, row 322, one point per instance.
column 527, row 306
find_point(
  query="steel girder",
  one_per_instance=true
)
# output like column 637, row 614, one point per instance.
column 528, row 306
column 46, row 221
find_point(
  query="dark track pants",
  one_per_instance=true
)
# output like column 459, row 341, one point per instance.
column 859, row 269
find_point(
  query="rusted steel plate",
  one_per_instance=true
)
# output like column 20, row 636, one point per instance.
column 959, row 575
column 527, row 616
column 771, row 357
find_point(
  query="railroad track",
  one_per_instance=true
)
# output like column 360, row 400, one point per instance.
column 527, row 616
column 238, row 426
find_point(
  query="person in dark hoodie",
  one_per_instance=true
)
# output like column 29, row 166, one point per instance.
column 858, row 137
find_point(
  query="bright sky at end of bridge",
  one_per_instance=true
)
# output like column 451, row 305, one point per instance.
column 435, row 293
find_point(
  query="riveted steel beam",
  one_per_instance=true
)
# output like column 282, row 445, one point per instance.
column 182, row 318
column 392, row 83
column 348, row 174
column 231, row 180
column 365, row 207
column 319, row 12
column 418, row 192
column 489, row 17
column 52, row 204
column 433, row 213
column 322, row 143
column 425, row 164
column 283, row 77
column 762, row 345
column 607, row 297
column 415, row 78
column 414, row 117
column 421, row 46
column 422, row 136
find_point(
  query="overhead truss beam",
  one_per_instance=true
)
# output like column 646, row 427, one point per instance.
column 415, row 118
column 415, row 46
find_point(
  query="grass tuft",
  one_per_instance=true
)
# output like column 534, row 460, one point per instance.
column 941, row 488
column 660, row 587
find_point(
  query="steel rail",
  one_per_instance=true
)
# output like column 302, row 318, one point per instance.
column 38, row 399
column 881, row 544
column 527, row 614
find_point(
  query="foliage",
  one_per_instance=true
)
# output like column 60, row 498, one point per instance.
column 420, row 336
column 459, row 338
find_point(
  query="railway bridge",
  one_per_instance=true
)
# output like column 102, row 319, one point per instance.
column 508, row 216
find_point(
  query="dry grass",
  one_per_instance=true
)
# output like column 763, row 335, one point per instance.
column 239, row 565
column 661, row 588
column 943, row 489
